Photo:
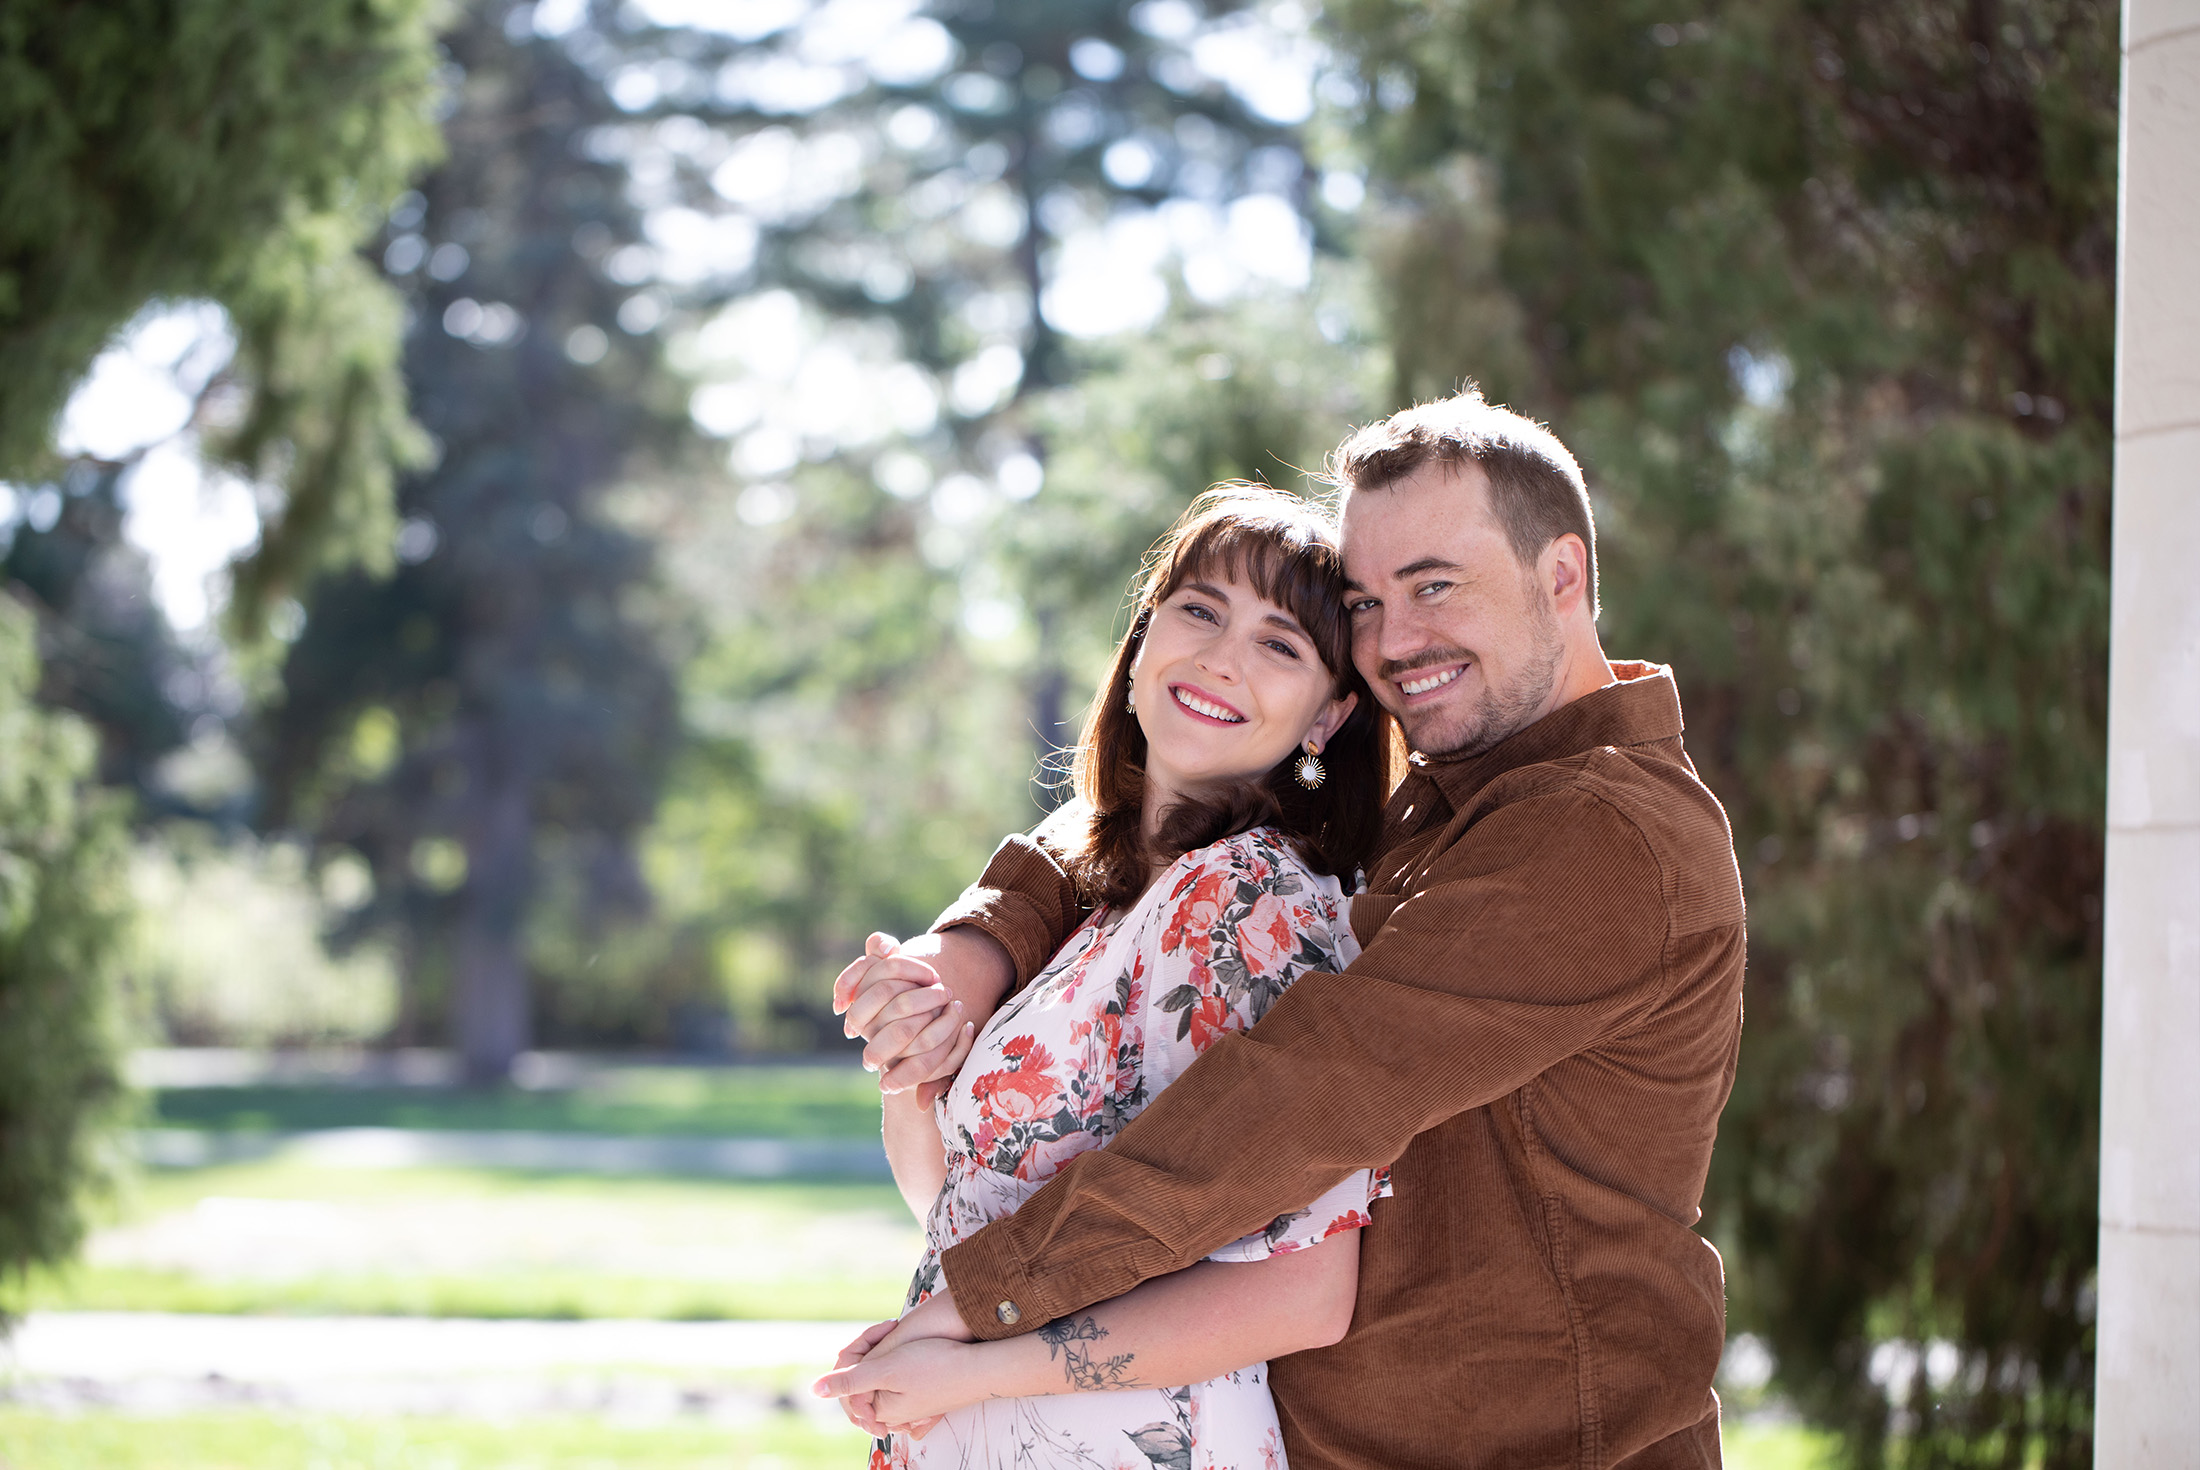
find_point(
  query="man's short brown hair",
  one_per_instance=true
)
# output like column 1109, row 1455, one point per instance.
column 1536, row 489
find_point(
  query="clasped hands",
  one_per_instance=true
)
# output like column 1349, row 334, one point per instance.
column 904, row 1374
column 914, row 1032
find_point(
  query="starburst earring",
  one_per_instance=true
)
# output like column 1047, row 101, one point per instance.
column 1308, row 772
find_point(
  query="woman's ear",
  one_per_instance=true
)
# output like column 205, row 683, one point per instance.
column 1331, row 719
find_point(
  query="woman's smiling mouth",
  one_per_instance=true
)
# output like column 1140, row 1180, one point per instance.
column 1206, row 709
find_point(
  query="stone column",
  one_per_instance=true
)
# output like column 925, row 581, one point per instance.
column 2149, row 1366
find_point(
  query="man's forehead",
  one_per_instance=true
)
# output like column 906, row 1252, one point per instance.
column 1430, row 512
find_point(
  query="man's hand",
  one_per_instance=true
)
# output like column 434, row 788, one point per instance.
column 900, row 998
column 894, row 999
column 908, row 1387
column 922, row 1383
column 859, row 1408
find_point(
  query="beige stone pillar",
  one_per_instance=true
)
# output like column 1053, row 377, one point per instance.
column 2149, row 1366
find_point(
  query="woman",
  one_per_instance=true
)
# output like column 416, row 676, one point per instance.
column 1234, row 766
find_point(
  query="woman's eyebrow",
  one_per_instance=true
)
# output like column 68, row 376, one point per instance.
column 1207, row 589
column 1288, row 623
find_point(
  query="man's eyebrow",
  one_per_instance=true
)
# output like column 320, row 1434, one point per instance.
column 1426, row 564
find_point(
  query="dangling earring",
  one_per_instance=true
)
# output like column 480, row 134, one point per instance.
column 1130, row 699
column 1308, row 772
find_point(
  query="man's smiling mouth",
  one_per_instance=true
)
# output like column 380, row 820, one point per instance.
column 1206, row 707
column 1426, row 682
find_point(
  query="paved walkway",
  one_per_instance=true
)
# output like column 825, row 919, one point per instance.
column 161, row 1362
column 555, row 1153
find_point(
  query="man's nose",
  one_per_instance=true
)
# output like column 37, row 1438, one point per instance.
column 1399, row 635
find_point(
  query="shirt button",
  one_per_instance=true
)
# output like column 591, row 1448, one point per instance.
column 1008, row 1314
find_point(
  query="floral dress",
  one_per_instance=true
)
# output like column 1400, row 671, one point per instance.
column 1131, row 998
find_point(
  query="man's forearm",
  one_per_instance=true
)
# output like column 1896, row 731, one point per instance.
column 1201, row 1322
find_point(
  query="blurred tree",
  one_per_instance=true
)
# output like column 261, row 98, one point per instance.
column 63, row 924
column 108, row 654
column 1822, row 294
column 237, row 152
column 858, row 228
column 496, row 714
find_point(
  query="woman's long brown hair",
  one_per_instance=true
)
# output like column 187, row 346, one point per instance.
column 1286, row 550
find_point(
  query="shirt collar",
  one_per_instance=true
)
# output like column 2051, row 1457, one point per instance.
column 1643, row 707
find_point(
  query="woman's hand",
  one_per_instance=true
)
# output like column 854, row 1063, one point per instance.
column 913, row 1022
column 908, row 1387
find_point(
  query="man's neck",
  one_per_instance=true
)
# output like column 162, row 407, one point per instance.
column 1582, row 669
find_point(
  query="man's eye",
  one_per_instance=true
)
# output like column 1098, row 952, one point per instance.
column 1365, row 604
column 1431, row 589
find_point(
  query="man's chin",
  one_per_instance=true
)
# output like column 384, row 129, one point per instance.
column 1448, row 734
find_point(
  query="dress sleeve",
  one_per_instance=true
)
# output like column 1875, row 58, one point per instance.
column 1243, row 919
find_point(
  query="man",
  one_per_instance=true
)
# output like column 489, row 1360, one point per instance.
column 1538, row 1038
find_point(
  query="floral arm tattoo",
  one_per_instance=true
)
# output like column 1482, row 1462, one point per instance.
column 1087, row 1372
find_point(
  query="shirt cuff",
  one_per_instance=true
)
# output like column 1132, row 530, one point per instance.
column 993, row 1295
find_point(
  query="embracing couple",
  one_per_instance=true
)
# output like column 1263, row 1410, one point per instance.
column 1283, row 1100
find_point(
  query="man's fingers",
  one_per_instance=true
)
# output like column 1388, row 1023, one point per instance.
column 885, row 980
column 850, row 981
column 858, row 1378
column 859, row 1347
column 862, row 1412
column 934, row 1057
column 907, row 1035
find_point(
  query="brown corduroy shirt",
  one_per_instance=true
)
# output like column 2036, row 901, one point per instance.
column 1537, row 1039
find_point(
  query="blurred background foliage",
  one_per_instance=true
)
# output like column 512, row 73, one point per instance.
column 793, row 387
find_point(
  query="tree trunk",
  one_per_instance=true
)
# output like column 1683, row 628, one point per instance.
column 489, row 1011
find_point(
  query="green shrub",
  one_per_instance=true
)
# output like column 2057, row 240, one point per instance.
column 64, row 921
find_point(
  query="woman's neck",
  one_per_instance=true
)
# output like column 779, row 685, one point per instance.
column 1153, row 803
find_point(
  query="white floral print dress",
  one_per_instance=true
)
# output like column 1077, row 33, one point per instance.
column 1132, row 997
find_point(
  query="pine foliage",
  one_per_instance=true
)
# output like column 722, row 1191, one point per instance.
column 155, row 149
column 1822, row 293
column 62, row 924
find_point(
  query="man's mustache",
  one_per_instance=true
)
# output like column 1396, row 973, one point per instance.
column 1392, row 668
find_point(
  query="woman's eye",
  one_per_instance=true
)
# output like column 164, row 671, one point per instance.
column 1200, row 611
column 1283, row 648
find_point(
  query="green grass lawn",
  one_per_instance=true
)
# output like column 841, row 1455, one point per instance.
column 280, row 1237
column 244, row 1441
column 31, row 1440
column 812, row 1101
column 1777, row 1447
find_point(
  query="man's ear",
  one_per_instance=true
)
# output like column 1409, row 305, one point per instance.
column 1564, row 572
column 1331, row 719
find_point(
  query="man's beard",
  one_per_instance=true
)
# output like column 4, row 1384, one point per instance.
column 1495, row 713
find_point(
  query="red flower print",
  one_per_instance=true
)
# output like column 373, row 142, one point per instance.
column 1197, row 913
column 1265, row 939
column 1349, row 1220
column 1210, row 1019
column 1016, row 1048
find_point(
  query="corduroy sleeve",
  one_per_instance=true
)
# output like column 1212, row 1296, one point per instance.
column 1538, row 933
column 1024, row 899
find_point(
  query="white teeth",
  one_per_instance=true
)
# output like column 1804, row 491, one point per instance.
column 1211, row 711
column 1433, row 681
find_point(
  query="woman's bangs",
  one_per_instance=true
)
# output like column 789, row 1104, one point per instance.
column 1291, row 565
